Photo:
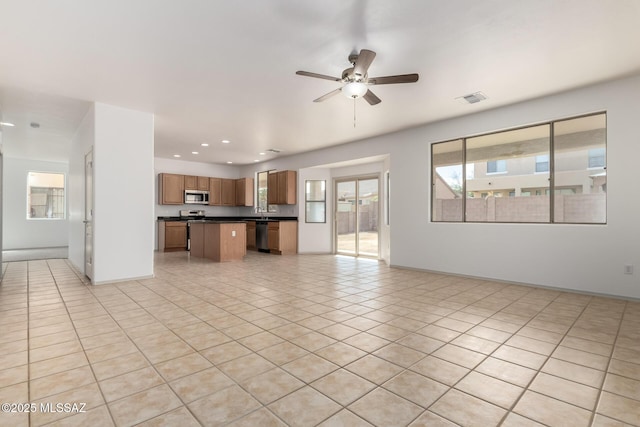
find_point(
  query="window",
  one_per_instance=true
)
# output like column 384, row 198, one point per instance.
column 550, row 179
column 315, row 201
column 45, row 195
column 262, row 184
column 496, row 166
column 597, row 158
column 446, row 181
column 542, row 163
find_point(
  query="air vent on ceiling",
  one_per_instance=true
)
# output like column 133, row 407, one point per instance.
column 472, row 98
column 274, row 150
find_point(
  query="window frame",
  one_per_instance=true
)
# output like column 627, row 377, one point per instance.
column 308, row 201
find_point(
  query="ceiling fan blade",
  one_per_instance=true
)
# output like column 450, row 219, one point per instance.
column 387, row 80
column 318, row 76
column 328, row 95
column 371, row 98
column 365, row 58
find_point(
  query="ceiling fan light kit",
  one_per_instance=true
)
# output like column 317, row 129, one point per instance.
column 354, row 90
column 356, row 79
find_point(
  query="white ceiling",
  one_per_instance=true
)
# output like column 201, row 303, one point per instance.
column 213, row 69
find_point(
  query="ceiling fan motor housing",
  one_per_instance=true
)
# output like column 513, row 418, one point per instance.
column 349, row 76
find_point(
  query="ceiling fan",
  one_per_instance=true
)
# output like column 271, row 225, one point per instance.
column 357, row 81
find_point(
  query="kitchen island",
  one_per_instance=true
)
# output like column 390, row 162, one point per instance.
column 218, row 241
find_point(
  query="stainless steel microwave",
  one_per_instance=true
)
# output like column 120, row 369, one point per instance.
column 196, row 197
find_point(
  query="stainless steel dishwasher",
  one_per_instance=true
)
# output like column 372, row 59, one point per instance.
column 261, row 236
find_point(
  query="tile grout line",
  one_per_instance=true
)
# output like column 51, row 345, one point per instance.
column 82, row 283
column 606, row 372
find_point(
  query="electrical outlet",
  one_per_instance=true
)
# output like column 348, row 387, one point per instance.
column 628, row 269
column 233, row 233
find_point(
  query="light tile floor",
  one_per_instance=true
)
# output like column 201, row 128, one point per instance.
column 310, row 340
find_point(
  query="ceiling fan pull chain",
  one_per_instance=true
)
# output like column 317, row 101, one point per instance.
column 354, row 112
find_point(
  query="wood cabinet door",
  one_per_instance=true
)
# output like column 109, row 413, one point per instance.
column 240, row 192
column 215, row 191
column 190, row 182
column 228, row 192
column 286, row 187
column 203, row 183
column 175, row 236
column 272, row 189
column 273, row 239
column 244, row 192
column 171, row 187
column 251, row 234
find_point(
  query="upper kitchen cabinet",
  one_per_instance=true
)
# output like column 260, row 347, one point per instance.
column 282, row 188
column 215, row 191
column 200, row 183
column 244, row 192
column 272, row 188
column 170, row 189
column 228, row 192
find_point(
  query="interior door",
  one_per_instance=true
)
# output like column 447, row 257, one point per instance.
column 356, row 217
column 88, row 215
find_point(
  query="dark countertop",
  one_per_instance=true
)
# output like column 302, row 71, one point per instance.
column 229, row 218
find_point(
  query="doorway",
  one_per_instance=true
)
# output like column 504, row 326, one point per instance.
column 88, row 215
column 357, row 213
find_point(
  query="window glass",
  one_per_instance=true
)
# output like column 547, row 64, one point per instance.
column 45, row 195
column 542, row 163
column 447, row 181
column 580, row 194
column 508, row 185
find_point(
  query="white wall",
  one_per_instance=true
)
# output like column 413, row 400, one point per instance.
column 587, row 258
column 81, row 144
column 18, row 231
column 580, row 257
column 123, row 194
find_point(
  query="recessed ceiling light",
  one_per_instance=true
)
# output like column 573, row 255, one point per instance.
column 256, row 160
column 177, row 155
column 225, row 141
column 7, row 124
column 229, row 163
column 262, row 154
column 204, row 144
column 194, row 152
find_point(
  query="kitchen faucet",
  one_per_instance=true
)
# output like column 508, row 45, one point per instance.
column 259, row 210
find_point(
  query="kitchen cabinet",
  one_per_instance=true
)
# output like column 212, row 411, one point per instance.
column 272, row 188
column 281, row 188
column 200, row 183
column 203, row 183
column 215, row 191
column 286, row 187
column 172, row 236
column 282, row 237
column 228, row 192
column 251, row 235
column 170, row 189
column 219, row 241
column 244, row 192
column 190, row 182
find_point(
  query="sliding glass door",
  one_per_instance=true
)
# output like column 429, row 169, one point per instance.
column 356, row 217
